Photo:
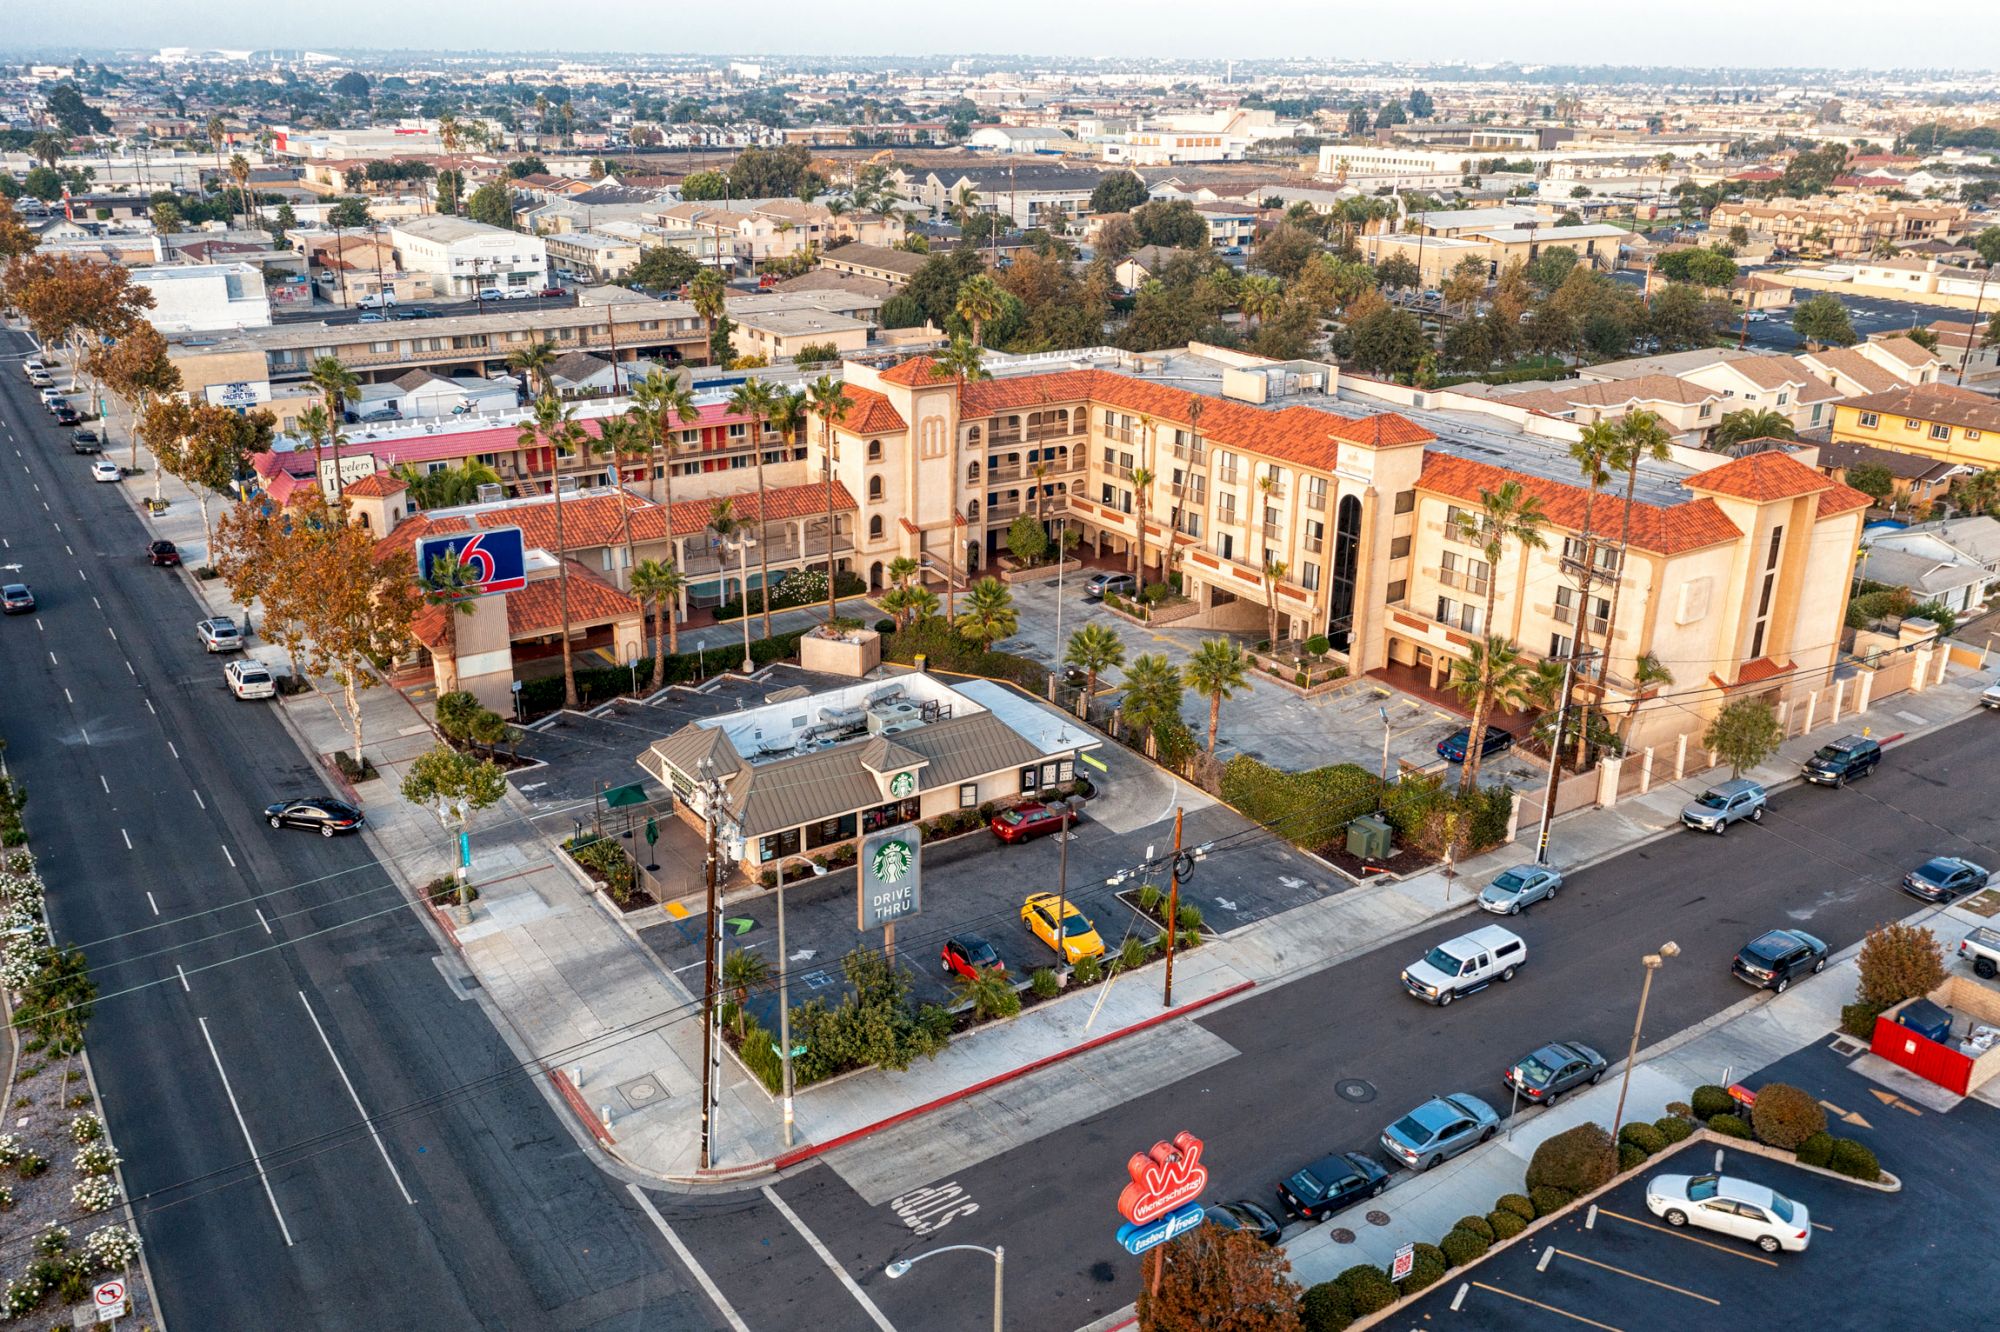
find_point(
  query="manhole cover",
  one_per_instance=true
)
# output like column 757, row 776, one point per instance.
column 642, row 1091
column 1378, row 1218
column 1341, row 1235
column 1354, row 1089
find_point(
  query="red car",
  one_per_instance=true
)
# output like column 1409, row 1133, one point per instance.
column 164, row 553
column 553, row 293
column 1026, row 822
column 967, row 955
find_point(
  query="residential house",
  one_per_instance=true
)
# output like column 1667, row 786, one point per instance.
column 1940, row 421
column 1915, row 477
column 876, row 262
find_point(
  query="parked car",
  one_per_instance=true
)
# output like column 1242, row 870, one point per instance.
column 1521, row 887
column 970, row 956
column 1982, row 949
column 65, row 414
column 1843, row 760
column 1496, row 741
column 40, row 378
column 1776, row 958
column 412, row 312
column 16, row 599
column 491, row 294
column 1718, row 807
column 1990, row 696
column 1079, row 936
column 387, row 411
column 1731, row 1206
column 1465, row 965
column 1331, row 1184
column 219, row 634
column 1247, row 1216
column 105, row 470
column 1440, row 1129
column 552, row 293
column 1554, row 1069
column 86, row 441
column 51, row 395
column 1943, row 878
column 163, row 553
column 1024, row 823
column 372, row 318
column 34, row 365
column 1122, row 584
column 249, row 678
column 381, row 300
column 320, row 814
column 519, row 293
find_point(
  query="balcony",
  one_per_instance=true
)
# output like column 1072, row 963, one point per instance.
column 1227, row 476
column 1316, row 500
column 1272, row 530
column 780, row 552
column 1465, row 582
column 1314, row 544
column 1598, row 624
column 1191, row 453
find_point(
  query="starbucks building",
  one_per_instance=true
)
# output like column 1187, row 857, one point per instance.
column 807, row 774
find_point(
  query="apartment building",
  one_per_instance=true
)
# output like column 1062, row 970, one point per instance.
column 1496, row 246
column 590, row 255
column 1941, row 421
column 462, row 257
column 880, row 263
column 1848, row 226
column 1028, row 194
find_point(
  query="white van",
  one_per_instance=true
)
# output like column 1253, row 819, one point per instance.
column 381, row 300
column 1465, row 965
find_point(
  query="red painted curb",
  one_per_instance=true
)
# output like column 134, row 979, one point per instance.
column 582, row 1107
column 811, row 1150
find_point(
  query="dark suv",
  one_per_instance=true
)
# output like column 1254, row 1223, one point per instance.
column 1773, row 960
column 1842, row 761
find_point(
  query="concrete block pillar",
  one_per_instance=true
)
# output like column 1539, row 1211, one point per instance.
column 1839, row 697
column 1812, row 706
column 1920, row 678
column 1680, row 757
column 1607, row 781
column 1784, row 717
column 1646, row 770
column 1864, row 685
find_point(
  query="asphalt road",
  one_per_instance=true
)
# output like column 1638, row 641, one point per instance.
column 1824, row 860
column 284, row 962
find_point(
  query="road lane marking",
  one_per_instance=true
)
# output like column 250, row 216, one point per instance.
column 283, row 1229
column 128, row 838
column 185, row 987
column 826, row 1256
column 701, row 1277
column 1663, row 1285
column 151, row 903
column 84, row 576
column 170, row 744
column 149, row 705
column 113, row 632
column 1692, row 1239
column 67, row 550
column 199, row 801
column 231, row 859
column 68, row 699
column 52, row 657
column 260, row 919
column 356, row 1097
column 134, row 674
column 106, row 784
column 1589, row 1322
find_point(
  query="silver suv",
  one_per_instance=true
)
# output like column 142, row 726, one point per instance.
column 1719, row 806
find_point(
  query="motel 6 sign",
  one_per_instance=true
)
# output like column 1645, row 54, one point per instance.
column 1164, row 1198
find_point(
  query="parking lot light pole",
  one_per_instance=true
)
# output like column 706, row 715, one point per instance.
column 998, row 1253
column 1068, row 806
column 785, row 998
column 1653, row 962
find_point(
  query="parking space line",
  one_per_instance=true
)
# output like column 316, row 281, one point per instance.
column 1692, row 1239
column 701, row 1277
column 826, row 1256
column 1589, row 1322
column 1663, row 1285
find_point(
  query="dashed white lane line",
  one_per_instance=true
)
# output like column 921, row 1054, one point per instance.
column 151, row 903
column 283, row 1229
column 184, row 979
column 134, row 674
column 199, row 801
column 356, row 1097
column 67, row 550
column 826, row 1256
column 701, row 1277
column 53, row 661
column 113, row 632
column 149, row 705
column 128, row 838
column 260, row 919
column 68, row 698
column 231, row 859
column 105, row 782
column 170, row 744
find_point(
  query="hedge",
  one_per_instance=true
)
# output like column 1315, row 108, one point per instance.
column 1518, row 1204
column 1852, row 1158
column 1326, row 1307
column 1577, row 1160
column 1308, row 809
column 1674, row 1128
column 1427, row 1268
column 1729, row 1126
column 1368, row 1289
column 1784, row 1116
column 806, row 587
column 1858, row 1020
column 945, row 649
column 1477, row 1225
column 1506, row 1224
column 1630, row 1156
column 1410, row 803
column 1645, row 1137
column 1464, row 1246
column 1549, row 1200
column 1817, row 1150
column 1710, row 1100
column 602, row 684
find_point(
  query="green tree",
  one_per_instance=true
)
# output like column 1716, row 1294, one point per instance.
column 709, row 295
column 1217, row 670
column 702, row 186
column 348, row 213
column 76, row 116
column 491, row 204
column 1683, row 319
column 1152, row 692
column 1093, row 649
column 658, row 584
column 454, row 785
column 989, row 613
column 1875, row 482
column 743, row 972
column 1285, row 250
column 1822, row 321
column 1388, row 342
column 1117, row 192
column 755, row 399
column 1898, row 962
column 989, row 994
column 1027, row 540
column 1744, row 734
column 979, row 300
column 1175, row 225
column 661, row 268
column 1749, row 423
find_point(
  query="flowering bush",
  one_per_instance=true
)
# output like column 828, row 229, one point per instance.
column 85, row 1128
column 96, row 1158
column 111, row 1247
column 52, row 1240
column 95, row 1193
column 10, row 1149
column 22, row 1295
column 21, row 961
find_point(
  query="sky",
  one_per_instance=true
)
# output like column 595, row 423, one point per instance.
column 1854, row 34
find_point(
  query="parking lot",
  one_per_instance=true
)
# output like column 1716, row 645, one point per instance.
column 1911, row 1251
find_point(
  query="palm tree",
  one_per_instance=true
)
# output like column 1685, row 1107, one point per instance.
column 339, row 386
column 1491, row 673
column 660, row 401
column 989, row 993
column 963, row 205
column 1506, row 514
column 239, row 169
column 1260, row 297
column 1593, row 452
column 1142, row 485
column 921, row 603
column 902, row 569
column 622, row 438
column 755, row 399
column 447, row 488
column 989, row 613
column 1641, row 438
column 318, row 428
column 1039, row 474
column 789, row 414
column 536, row 361
column 451, row 134
column 48, row 149
column 980, row 301
column 1093, row 649
column 960, row 360
column 657, row 583
column 897, row 601
column 1152, row 692
column 1216, row 671
column 710, row 296
column 1273, row 571
column 452, row 585
column 557, row 424
column 1647, row 675
column 742, row 972
column 1749, row 423
column 827, row 399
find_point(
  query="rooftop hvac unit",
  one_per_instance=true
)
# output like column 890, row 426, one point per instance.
column 490, row 492
column 897, row 728
column 842, row 716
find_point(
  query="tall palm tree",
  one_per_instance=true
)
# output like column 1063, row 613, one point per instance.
column 339, row 386
column 662, row 403
column 980, row 301
column 1038, row 474
column 710, row 296
column 1216, row 670
column 1152, row 692
column 622, row 438
column 444, row 489
column 755, row 399
column 1273, row 571
column 989, row 613
column 826, row 398
column 1506, row 514
column 318, row 428
column 1641, row 438
column 742, row 972
column 557, row 425
column 1492, row 673
column 960, row 360
column 217, row 131
column 790, row 414
column 1748, row 423
column 48, row 148
column 897, row 601
column 239, row 170
column 453, row 586
column 536, row 362
column 658, row 583
column 1093, row 649
column 963, row 205
column 1593, row 453
column 1260, row 297
column 902, row 569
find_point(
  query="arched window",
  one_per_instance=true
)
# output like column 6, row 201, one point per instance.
column 874, row 488
column 874, row 450
column 875, row 528
column 972, row 435
column 972, row 471
column 972, row 511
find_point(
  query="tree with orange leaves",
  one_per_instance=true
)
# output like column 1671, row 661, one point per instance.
column 137, row 370
column 70, row 301
column 1215, row 1280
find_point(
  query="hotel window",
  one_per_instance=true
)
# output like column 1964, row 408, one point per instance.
column 1940, row 431
column 1397, row 591
column 1459, row 615
column 1765, row 593
column 874, row 450
column 1399, row 548
column 874, row 488
column 1406, row 501
column 1972, row 434
column 1869, row 420
column 1560, row 646
column 1309, row 576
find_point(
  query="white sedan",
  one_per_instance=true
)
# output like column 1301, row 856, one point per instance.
column 248, row 678
column 1990, row 696
column 104, row 470
column 1732, row 1206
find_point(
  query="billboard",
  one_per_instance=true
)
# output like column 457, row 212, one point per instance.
column 353, row 467
column 890, row 885
column 497, row 557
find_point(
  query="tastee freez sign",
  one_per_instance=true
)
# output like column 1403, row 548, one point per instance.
column 1163, row 1199
column 891, row 879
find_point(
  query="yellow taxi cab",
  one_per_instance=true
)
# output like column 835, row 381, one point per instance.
column 1079, row 936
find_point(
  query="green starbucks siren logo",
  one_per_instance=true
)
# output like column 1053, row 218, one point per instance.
column 903, row 784
column 893, row 861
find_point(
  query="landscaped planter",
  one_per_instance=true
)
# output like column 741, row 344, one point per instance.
column 1036, row 573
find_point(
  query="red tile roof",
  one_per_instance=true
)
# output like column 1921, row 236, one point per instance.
column 871, row 413
column 537, row 608
column 1759, row 669
column 1761, row 477
column 782, row 503
column 1664, row 530
column 379, row 486
column 1842, row 499
column 913, row 373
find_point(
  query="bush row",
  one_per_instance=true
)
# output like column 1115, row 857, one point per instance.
column 1789, row 1118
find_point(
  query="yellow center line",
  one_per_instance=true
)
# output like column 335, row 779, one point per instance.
column 1592, row 1322
column 1663, row 1285
column 1669, row 1230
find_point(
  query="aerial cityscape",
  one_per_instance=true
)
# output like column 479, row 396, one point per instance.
column 1230, row 689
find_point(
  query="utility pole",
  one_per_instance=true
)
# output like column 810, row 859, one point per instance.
column 1173, row 909
column 711, row 1041
column 1555, row 758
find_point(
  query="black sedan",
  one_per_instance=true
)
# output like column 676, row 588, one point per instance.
column 1332, row 1183
column 1496, row 741
column 1944, row 878
column 1246, row 1216
column 1554, row 1069
column 1776, row 958
column 16, row 599
column 315, row 814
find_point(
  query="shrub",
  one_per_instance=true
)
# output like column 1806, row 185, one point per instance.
column 1505, row 1224
column 31, row 1164
column 1463, row 1246
column 1578, row 1159
column 1131, row 955
column 1549, row 1200
column 1317, row 645
column 1673, row 1128
column 1043, row 983
column 1852, row 1158
column 1681, row 1108
column 1477, row 1225
column 1711, row 1100
column 1326, row 1308
column 1427, row 1268
column 1188, row 917
column 1729, row 1126
column 1150, row 897
column 1630, row 1156
column 1519, row 1204
column 885, row 626
column 1368, row 1289
column 1645, row 1137
column 1817, row 1150
column 1899, row 962
column 1858, row 1020
column 1785, row 1116
column 1089, row 971
column 760, row 1055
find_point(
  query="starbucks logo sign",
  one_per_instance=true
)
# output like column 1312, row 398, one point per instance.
column 903, row 784
column 891, row 880
column 892, row 861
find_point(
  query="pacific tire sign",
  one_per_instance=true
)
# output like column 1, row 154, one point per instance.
column 890, row 883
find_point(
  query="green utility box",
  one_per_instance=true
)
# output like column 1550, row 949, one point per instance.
column 1368, row 837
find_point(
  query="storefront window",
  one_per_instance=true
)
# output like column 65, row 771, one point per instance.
column 774, row 845
column 1031, row 780
column 828, row 831
column 968, row 795
column 889, row 815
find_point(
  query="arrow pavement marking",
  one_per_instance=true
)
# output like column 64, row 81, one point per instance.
column 1890, row 1098
column 1846, row 1116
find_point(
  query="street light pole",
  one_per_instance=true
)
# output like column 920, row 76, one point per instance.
column 1555, row 757
column 1653, row 962
column 998, row 1253
column 743, row 544
column 1068, row 806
